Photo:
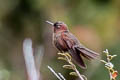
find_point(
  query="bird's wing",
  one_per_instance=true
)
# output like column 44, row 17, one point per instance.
column 73, row 43
column 70, row 41
column 77, row 58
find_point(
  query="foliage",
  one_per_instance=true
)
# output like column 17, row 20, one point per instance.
column 109, row 65
column 67, row 58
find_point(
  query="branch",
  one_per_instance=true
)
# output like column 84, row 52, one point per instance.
column 59, row 75
column 72, row 66
column 113, row 73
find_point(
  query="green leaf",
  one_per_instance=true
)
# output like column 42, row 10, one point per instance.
column 73, row 73
column 103, row 61
column 68, row 67
column 62, row 58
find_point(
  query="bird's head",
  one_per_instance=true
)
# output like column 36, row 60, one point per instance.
column 58, row 26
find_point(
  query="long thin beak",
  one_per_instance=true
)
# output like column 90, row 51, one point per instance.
column 50, row 23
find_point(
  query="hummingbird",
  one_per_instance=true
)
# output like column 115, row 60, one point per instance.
column 65, row 41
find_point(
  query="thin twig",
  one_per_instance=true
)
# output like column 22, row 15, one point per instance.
column 61, row 76
column 54, row 73
column 73, row 66
column 109, row 65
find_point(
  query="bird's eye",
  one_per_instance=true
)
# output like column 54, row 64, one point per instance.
column 58, row 26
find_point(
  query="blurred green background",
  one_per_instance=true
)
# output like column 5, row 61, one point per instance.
column 96, row 23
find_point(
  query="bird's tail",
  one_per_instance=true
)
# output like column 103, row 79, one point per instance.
column 87, row 53
column 77, row 54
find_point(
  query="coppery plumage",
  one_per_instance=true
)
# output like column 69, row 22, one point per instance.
column 67, row 42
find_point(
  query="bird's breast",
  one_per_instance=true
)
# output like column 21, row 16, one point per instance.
column 59, row 43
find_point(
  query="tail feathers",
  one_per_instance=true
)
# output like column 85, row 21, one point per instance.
column 77, row 58
column 87, row 53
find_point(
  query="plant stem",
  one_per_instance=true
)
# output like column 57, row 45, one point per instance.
column 68, row 57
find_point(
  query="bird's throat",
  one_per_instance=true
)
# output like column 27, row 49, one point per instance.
column 60, row 31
